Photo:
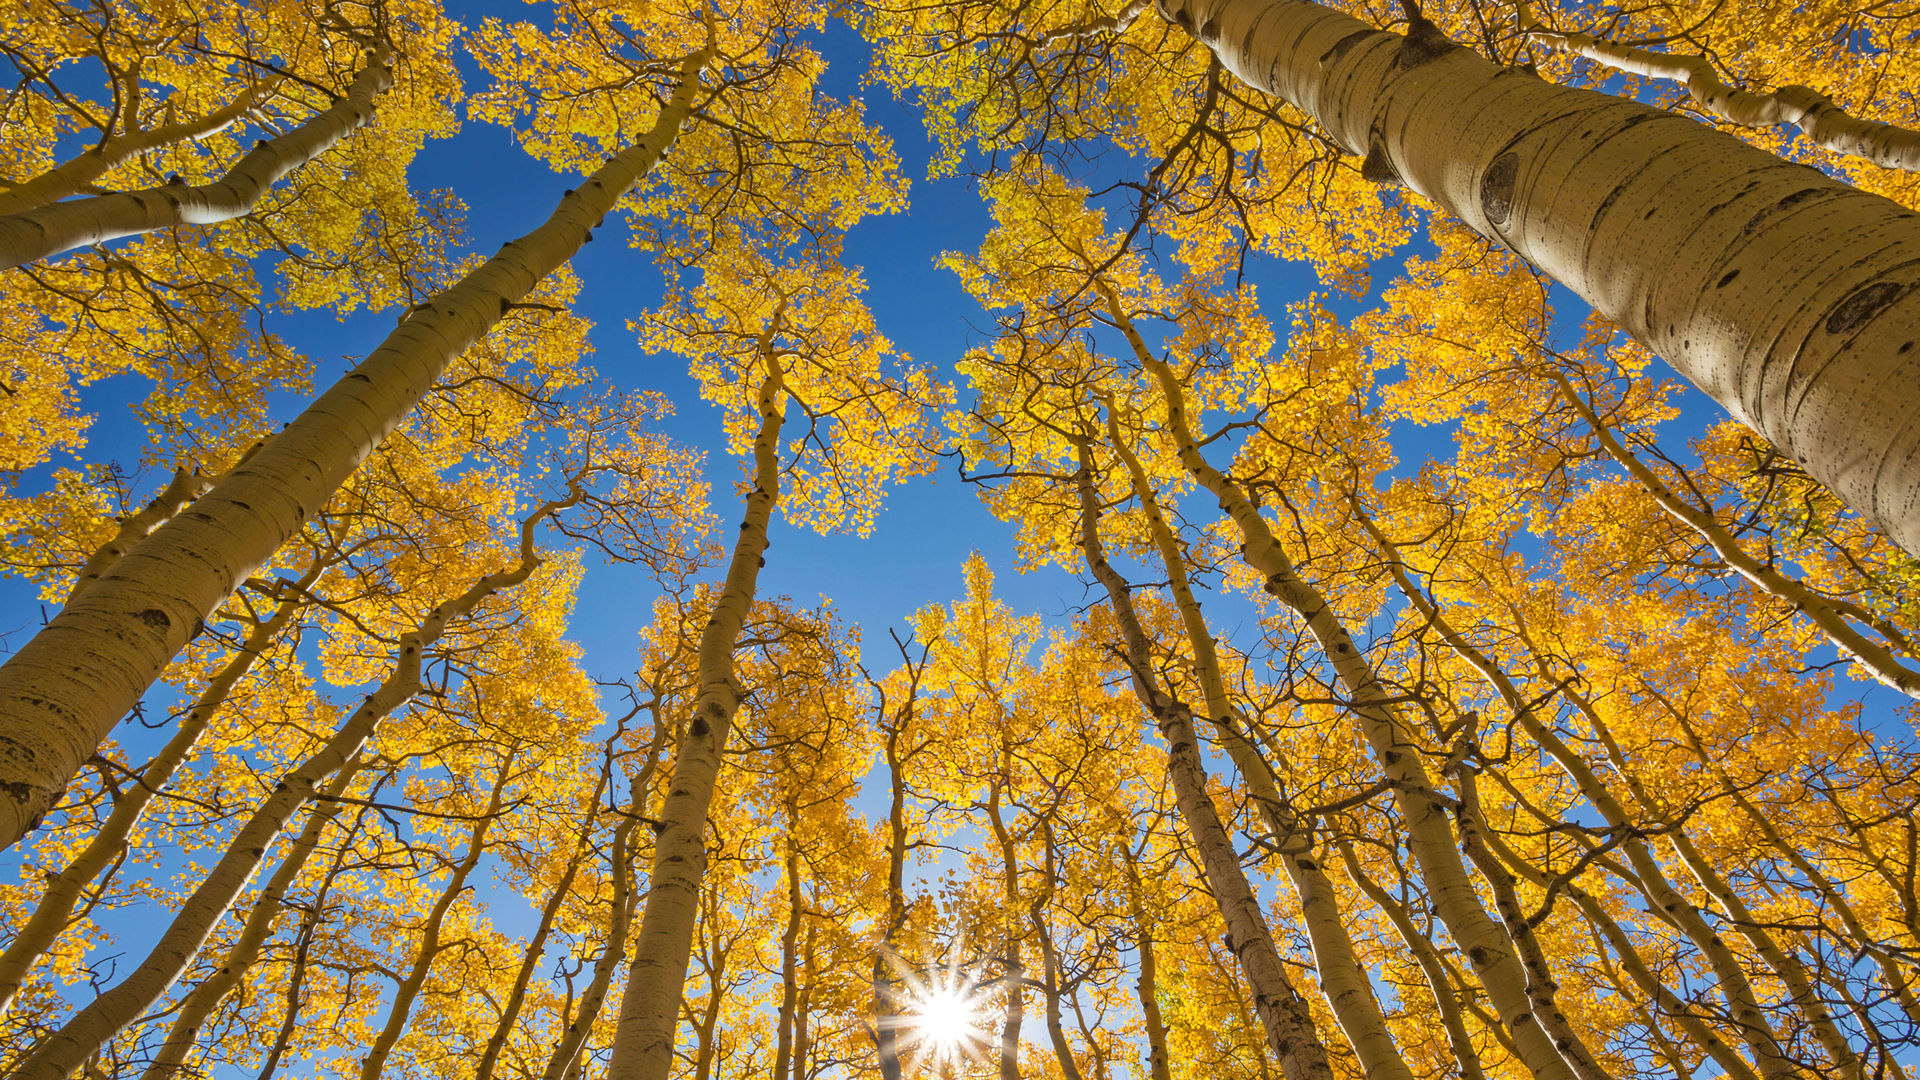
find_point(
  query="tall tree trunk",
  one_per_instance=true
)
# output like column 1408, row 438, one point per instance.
column 1282, row 1014
column 562, row 891
column 67, row 686
column 1788, row 297
column 789, row 956
column 566, row 1054
column 1013, row 980
column 1146, row 984
column 109, row 842
column 1439, row 983
column 52, row 228
column 650, row 1007
column 199, row 1005
column 1342, row 980
column 67, row 1049
column 1430, row 834
column 1743, row 1003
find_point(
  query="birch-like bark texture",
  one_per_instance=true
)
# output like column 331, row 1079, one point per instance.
column 1147, row 980
column 199, row 1004
column 1430, row 835
column 1742, row 1001
column 1878, row 660
column 56, row 227
column 1342, row 980
column 56, row 905
column 78, row 173
column 1827, row 125
column 1790, row 298
column 1283, row 1015
column 61, row 1053
column 657, row 972
column 1459, row 1040
column 566, row 1053
column 68, row 685
column 186, row 486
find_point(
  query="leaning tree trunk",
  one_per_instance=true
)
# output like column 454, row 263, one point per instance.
column 66, row 688
column 1283, row 1015
column 62, row 226
column 63, row 1052
column 1790, row 298
column 657, row 972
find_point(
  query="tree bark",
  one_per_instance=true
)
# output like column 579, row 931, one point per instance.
column 1282, row 1014
column 67, row 1049
column 62, row 226
column 1788, row 297
column 68, row 685
column 650, row 1007
column 54, row 912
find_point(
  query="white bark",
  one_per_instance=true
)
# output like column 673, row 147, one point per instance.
column 79, row 173
column 52, row 915
column 200, row 1003
column 1342, row 980
column 186, row 486
column 66, row 687
column 1815, row 114
column 1430, row 835
column 1283, row 1016
column 1788, row 297
column 62, row 226
column 61, row 1053
column 657, row 972
column 1742, row 1002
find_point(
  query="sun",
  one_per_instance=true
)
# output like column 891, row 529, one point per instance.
column 946, row 1019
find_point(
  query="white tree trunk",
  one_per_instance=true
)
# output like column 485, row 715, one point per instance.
column 51, row 916
column 657, row 972
column 78, row 173
column 1788, row 297
column 66, row 687
column 62, row 226
column 67, row 1049
column 1283, row 1016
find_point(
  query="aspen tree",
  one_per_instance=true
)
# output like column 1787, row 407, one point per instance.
column 65, row 688
column 64, row 889
column 114, row 1009
column 1289, row 1030
column 29, row 235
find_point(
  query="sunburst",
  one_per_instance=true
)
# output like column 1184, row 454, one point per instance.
column 941, row 1018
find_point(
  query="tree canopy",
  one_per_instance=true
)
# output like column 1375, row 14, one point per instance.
column 1443, row 485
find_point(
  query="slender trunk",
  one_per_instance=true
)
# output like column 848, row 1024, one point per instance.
column 56, row 227
column 789, row 957
column 296, row 981
column 1430, row 834
column 1343, row 981
column 1050, row 961
column 1147, row 986
column 550, row 913
column 1542, row 989
column 886, row 1030
column 1283, row 1016
column 67, row 686
column 90, row 1028
column 400, row 1011
column 109, row 843
column 78, row 173
column 1792, row 974
column 802, row 1039
column 1014, row 1004
column 650, row 1008
column 1786, row 296
column 566, row 1053
column 1742, row 1002
column 199, row 1005
column 1459, row 1040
